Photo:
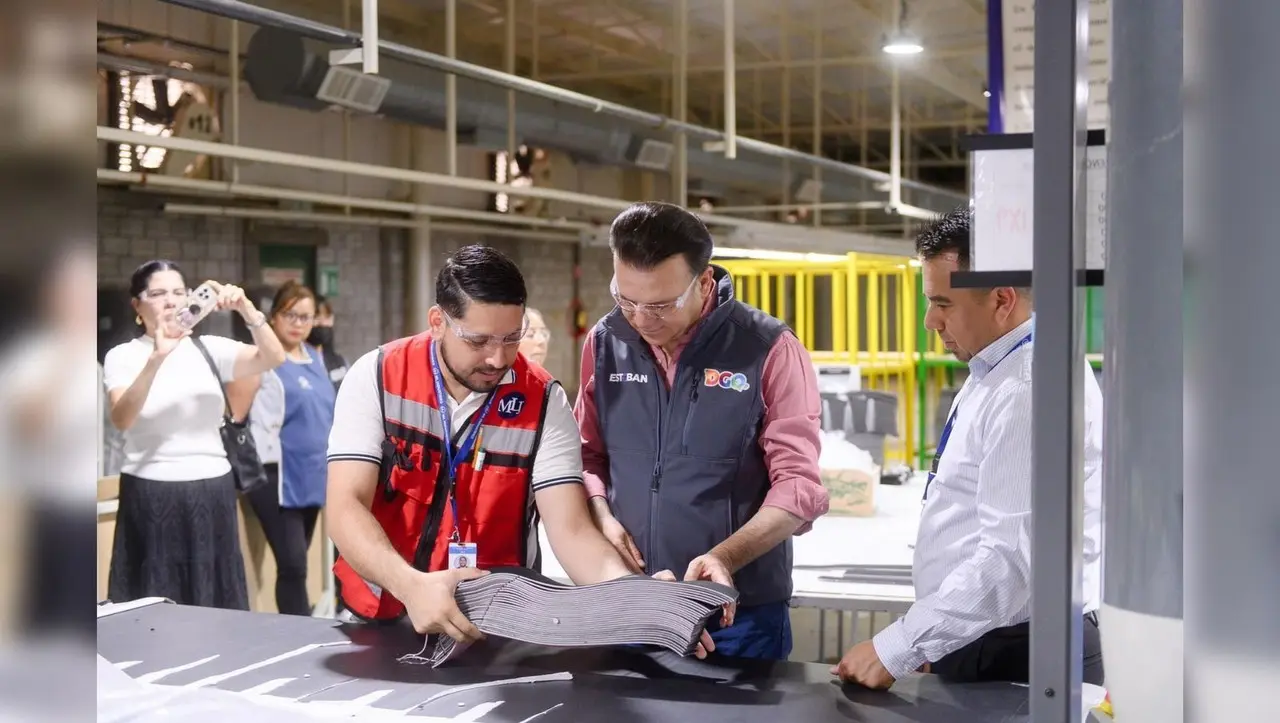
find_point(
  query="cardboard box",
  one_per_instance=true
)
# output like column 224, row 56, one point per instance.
column 852, row 491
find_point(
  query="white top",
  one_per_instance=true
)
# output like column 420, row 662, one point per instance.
column 266, row 417
column 358, row 430
column 175, row 437
column 55, row 372
column 972, row 567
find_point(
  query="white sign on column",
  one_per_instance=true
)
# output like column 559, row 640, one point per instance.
column 1002, row 209
column 1018, row 18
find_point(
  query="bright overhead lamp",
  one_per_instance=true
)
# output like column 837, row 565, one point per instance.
column 902, row 44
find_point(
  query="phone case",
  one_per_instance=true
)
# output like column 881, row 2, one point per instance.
column 199, row 305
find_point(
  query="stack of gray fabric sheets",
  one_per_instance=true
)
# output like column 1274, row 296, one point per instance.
column 634, row 610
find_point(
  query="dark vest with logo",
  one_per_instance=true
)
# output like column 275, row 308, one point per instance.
column 685, row 465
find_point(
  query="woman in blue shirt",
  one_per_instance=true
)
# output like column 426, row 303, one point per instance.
column 290, row 418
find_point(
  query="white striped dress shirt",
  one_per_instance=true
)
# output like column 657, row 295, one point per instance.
column 972, row 568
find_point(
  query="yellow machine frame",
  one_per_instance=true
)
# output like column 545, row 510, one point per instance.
column 883, row 368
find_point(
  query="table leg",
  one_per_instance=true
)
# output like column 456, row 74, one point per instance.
column 822, row 635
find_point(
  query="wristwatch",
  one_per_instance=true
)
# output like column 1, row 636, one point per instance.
column 262, row 320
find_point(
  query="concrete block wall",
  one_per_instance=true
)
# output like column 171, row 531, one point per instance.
column 132, row 230
column 359, row 316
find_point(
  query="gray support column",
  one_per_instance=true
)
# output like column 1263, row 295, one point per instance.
column 421, row 278
column 1142, row 570
column 1231, row 393
column 1061, row 64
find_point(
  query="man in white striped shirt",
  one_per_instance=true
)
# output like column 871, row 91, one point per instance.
column 972, row 569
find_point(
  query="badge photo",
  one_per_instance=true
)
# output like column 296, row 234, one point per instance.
column 462, row 554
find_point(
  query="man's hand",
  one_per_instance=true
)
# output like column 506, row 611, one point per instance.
column 706, row 644
column 428, row 600
column 621, row 540
column 710, row 567
column 862, row 665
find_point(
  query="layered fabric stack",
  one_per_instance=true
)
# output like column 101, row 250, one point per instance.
column 634, row 610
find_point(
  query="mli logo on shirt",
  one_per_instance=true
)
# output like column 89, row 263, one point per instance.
column 737, row 381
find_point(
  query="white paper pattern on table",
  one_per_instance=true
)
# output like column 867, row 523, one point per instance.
column 1018, row 26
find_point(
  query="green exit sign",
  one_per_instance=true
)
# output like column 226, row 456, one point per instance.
column 328, row 281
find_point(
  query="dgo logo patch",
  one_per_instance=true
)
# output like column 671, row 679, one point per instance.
column 737, row 381
column 510, row 406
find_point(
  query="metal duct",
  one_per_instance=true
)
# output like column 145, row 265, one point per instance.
column 283, row 67
column 263, row 17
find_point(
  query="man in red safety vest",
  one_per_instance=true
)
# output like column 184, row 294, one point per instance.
column 425, row 493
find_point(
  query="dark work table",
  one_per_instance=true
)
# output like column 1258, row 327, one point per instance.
column 318, row 660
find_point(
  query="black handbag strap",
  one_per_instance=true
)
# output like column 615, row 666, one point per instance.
column 213, row 366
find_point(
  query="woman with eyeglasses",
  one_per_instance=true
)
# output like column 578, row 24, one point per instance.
column 177, row 534
column 290, row 418
column 537, row 337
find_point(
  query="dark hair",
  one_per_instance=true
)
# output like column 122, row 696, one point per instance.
column 142, row 275
column 323, row 307
column 478, row 273
column 288, row 295
column 949, row 233
column 646, row 234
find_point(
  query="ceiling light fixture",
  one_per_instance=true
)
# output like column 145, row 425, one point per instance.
column 902, row 44
column 901, row 41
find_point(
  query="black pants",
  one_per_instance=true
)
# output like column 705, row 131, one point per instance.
column 288, row 531
column 1004, row 655
column 59, row 576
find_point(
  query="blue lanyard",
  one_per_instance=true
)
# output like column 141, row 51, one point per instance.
column 951, row 420
column 448, row 455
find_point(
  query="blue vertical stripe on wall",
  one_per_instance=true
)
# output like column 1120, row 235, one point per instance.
column 995, row 66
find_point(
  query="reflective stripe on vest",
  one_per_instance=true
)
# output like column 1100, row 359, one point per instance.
column 495, row 504
column 425, row 418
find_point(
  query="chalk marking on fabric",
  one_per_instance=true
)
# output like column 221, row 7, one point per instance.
column 268, row 687
column 161, row 674
column 539, row 715
column 550, row 677
column 220, row 677
column 476, row 713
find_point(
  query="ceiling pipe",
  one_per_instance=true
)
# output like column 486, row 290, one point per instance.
column 730, row 85
column 221, row 189
column 270, row 214
column 810, row 238
column 146, row 67
column 543, row 124
column 236, row 10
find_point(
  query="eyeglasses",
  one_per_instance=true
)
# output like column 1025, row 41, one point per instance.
column 296, row 318
column 537, row 334
column 484, row 341
column 159, row 294
column 656, row 311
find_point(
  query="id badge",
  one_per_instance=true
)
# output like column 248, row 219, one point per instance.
column 462, row 554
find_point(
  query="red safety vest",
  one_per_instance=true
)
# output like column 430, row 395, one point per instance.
column 495, row 504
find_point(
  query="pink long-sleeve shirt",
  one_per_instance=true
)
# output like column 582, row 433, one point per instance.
column 790, row 436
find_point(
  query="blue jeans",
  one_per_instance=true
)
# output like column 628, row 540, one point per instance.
column 762, row 632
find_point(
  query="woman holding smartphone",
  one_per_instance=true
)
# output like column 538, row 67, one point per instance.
column 176, row 529
column 290, row 418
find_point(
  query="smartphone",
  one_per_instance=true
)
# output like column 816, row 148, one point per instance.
column 199, row 305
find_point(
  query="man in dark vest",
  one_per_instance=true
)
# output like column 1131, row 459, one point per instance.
column 700, row 427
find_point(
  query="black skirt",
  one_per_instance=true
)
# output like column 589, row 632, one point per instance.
column 178, row 540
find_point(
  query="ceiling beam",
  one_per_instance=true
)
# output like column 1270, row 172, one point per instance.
column 794, row 63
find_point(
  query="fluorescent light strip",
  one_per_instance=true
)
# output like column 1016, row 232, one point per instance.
column 767, row 255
